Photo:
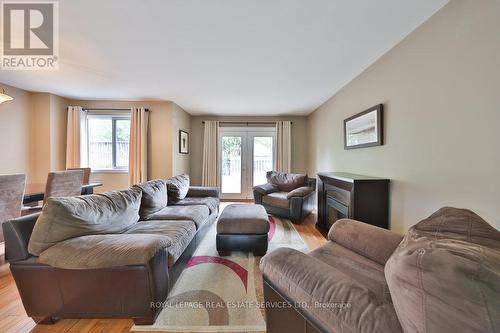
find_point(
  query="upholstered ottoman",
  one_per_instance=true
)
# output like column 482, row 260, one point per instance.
column 242, row 228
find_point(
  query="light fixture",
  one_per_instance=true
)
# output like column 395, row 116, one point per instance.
column 4, row 97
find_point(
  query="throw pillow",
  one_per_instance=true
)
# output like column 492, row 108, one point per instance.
column 177, row 188
column 154, row 197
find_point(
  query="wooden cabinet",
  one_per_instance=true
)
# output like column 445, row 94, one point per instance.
column 358, row 197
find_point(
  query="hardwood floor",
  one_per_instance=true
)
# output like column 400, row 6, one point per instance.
column 13, row 318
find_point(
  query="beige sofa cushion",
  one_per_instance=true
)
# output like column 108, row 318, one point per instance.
column 180, row 233
column 445, row 275
column 344, row 294
column 102, row 251
column 154, row 197
column 196, row 213
column 211, row 203
column 69, row 217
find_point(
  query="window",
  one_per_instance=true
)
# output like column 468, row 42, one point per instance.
column 108, row 141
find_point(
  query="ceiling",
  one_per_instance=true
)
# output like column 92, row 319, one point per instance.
column 224, row 57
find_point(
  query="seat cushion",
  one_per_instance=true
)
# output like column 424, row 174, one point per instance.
column 197, row 213
column 180, row 233
column 69, row 217
column 211, row 203
column 243, row 219
column 341, row 297
column 154, row 197
column 277, row 199
column 177, row 188
column 287, row 182
column 445, row 274
column 101, row 251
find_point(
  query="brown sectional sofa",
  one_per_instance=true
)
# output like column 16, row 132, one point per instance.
column 109, row 265
column 442, row 276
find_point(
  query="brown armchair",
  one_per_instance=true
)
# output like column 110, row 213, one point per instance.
column 286, row 194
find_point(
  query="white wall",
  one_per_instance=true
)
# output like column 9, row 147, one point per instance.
column 14, row 131
column 441, row 91
column 32, row 134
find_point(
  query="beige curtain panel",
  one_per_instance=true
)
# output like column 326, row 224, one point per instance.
column 284, row 146
column 138, row 153
column 210, row 169
column 75, row 143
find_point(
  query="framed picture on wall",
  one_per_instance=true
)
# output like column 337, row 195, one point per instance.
column 183, row 142
column 364, row 129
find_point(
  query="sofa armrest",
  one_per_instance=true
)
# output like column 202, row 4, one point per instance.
column 203, row 191
column 365, row 239
column 300, row 192
column 286, row 268
column 327, row 295
column 17, row 233
column 265, row 188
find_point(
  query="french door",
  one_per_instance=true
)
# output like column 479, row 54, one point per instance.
column 245, row 154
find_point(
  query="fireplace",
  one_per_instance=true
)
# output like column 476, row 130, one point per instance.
column 344, row 195
column 336, row 210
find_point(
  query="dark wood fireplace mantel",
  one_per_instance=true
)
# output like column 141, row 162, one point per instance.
column 346, row 195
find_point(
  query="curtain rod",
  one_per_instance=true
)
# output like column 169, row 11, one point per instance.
column 247, row 122
column 108, row 109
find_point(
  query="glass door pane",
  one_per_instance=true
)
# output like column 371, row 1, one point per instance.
column 231, row 164
column 262, row 158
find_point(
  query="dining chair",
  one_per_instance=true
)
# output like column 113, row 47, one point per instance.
column 86, row 174
column 11, row 197
column 59, row 184
column 64, row 184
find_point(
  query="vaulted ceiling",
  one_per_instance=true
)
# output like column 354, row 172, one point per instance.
column 226, row 57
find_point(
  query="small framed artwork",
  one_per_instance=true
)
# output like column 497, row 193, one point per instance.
column 364, row 129
column 183, row 142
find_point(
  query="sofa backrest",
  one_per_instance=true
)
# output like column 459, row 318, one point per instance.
column 445, row 274
column 69, row 217
column 287, row 182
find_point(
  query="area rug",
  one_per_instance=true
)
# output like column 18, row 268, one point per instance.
column 222, row 294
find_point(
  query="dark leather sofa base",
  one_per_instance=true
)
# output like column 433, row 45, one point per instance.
column 283, row 316
column 50, row 294
column 256, row 243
